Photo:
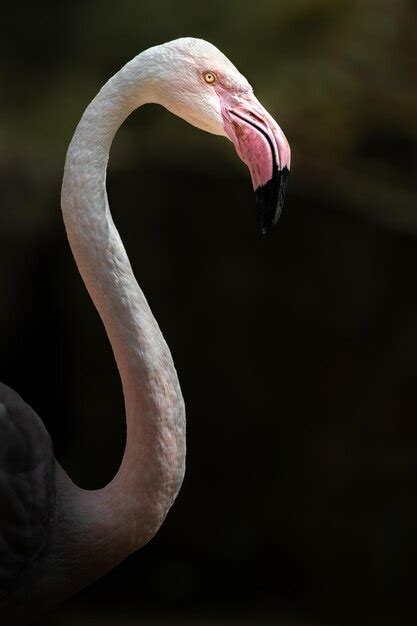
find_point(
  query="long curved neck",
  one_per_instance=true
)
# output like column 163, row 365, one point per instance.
column 131, row 508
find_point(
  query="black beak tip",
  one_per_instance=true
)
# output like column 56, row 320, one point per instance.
column 270, row 198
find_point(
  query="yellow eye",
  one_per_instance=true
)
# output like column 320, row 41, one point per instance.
column 209, row 77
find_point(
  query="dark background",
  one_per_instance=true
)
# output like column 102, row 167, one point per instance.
column 296, row 351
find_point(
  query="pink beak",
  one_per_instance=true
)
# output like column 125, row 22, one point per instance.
column 262, row 145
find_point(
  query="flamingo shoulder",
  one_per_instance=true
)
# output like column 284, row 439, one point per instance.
column 27, row 491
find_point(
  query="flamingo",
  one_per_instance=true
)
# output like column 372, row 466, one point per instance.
column 56, row 538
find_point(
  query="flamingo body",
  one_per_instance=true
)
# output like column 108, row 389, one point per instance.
column 27, row 491
column 56, row 538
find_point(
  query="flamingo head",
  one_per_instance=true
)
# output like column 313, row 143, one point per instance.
column 197, row 82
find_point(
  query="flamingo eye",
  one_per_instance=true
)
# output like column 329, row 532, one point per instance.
column 210, row 77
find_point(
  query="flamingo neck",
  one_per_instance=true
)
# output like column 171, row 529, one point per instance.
column 128, row 511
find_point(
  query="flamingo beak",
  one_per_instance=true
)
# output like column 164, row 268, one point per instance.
column 262, row 145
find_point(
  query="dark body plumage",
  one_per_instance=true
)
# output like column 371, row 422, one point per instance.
column 27, row 494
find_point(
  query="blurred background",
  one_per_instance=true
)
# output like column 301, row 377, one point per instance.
column 297, row 352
